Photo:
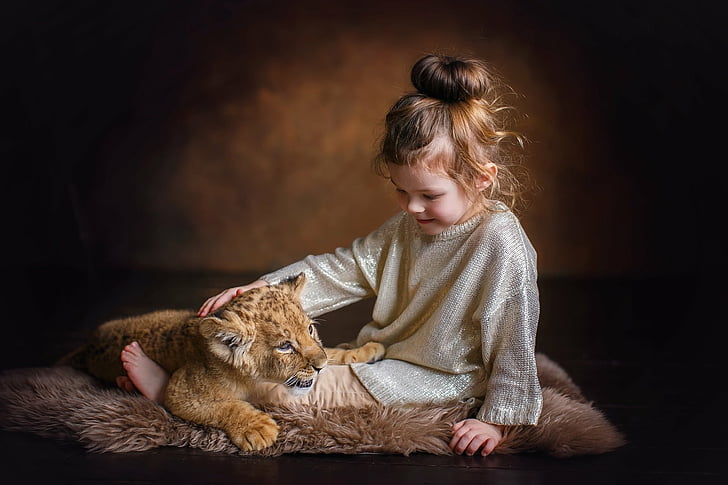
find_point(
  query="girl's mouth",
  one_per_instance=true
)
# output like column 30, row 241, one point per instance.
column 425, row 221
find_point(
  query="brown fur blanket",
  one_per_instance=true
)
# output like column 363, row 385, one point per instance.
column 65, row 404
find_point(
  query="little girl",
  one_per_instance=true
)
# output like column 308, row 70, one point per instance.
column 454, row 274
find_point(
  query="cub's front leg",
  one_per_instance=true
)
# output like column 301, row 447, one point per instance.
column 250, row 429
column 369, row 352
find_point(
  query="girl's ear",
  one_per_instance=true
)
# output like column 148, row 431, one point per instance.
column 486, row 178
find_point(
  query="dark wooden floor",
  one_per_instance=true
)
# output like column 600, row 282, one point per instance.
column 645, row 350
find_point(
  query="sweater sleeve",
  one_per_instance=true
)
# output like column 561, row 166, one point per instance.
column 513, row 393
column 340, row 278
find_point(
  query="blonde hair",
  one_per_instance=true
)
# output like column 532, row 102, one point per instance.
column 456, row 121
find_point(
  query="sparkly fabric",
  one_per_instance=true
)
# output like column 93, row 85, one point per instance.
column 458, row 312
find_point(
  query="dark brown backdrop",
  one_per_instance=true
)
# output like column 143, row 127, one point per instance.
column 236, row 135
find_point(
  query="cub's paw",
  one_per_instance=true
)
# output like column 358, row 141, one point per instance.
column 369, row 352
column 257, row 433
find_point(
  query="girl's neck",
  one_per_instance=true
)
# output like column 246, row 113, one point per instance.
column 458, row 229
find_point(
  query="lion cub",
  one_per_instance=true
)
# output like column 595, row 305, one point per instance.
column 261, row 335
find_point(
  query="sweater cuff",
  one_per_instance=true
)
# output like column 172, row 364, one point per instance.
column 511, row 416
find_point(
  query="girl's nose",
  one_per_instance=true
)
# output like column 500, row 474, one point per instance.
column 414, row 206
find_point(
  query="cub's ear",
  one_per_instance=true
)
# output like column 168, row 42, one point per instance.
column 296, row 284
column 228, row 337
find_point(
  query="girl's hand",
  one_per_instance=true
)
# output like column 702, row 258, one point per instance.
column 215, row 302
column 471, row 435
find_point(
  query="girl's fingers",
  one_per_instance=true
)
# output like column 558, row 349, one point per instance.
column 474, row 445
column 454, row 443
column 221, row 299
column 207, row 307
column 464, row 445
column 488, row 447
column 215, row 306
column 460, row 442
column 204, row 308
column 459, row 433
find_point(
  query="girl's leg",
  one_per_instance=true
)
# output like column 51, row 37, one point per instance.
column 145, row 375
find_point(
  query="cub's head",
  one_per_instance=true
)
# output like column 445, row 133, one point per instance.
column 265, row 334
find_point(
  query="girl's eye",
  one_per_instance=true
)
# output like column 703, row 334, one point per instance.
column 431, row 197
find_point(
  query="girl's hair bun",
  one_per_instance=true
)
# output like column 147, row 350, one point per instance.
column 450, row 78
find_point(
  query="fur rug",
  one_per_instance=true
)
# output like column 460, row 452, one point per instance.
column 65, row 404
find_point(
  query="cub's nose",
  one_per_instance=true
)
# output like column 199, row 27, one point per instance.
column 316, row 356
column 320, row 361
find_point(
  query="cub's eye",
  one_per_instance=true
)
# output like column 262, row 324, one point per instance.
column 286, row 347
column 311, row 330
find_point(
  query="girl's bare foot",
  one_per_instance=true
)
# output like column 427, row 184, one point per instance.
column 145, row 375
column 123, row 382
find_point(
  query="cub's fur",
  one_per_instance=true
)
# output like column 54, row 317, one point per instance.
column 261, row 335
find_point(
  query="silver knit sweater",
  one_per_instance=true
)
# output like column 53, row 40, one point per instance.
column 458, row 312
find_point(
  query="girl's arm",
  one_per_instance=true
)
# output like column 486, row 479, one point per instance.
column 508, row 318
column 344, row 276
column 333, row 280
column 513, row 393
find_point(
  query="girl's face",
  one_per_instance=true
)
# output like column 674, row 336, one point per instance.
column 432, row 198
